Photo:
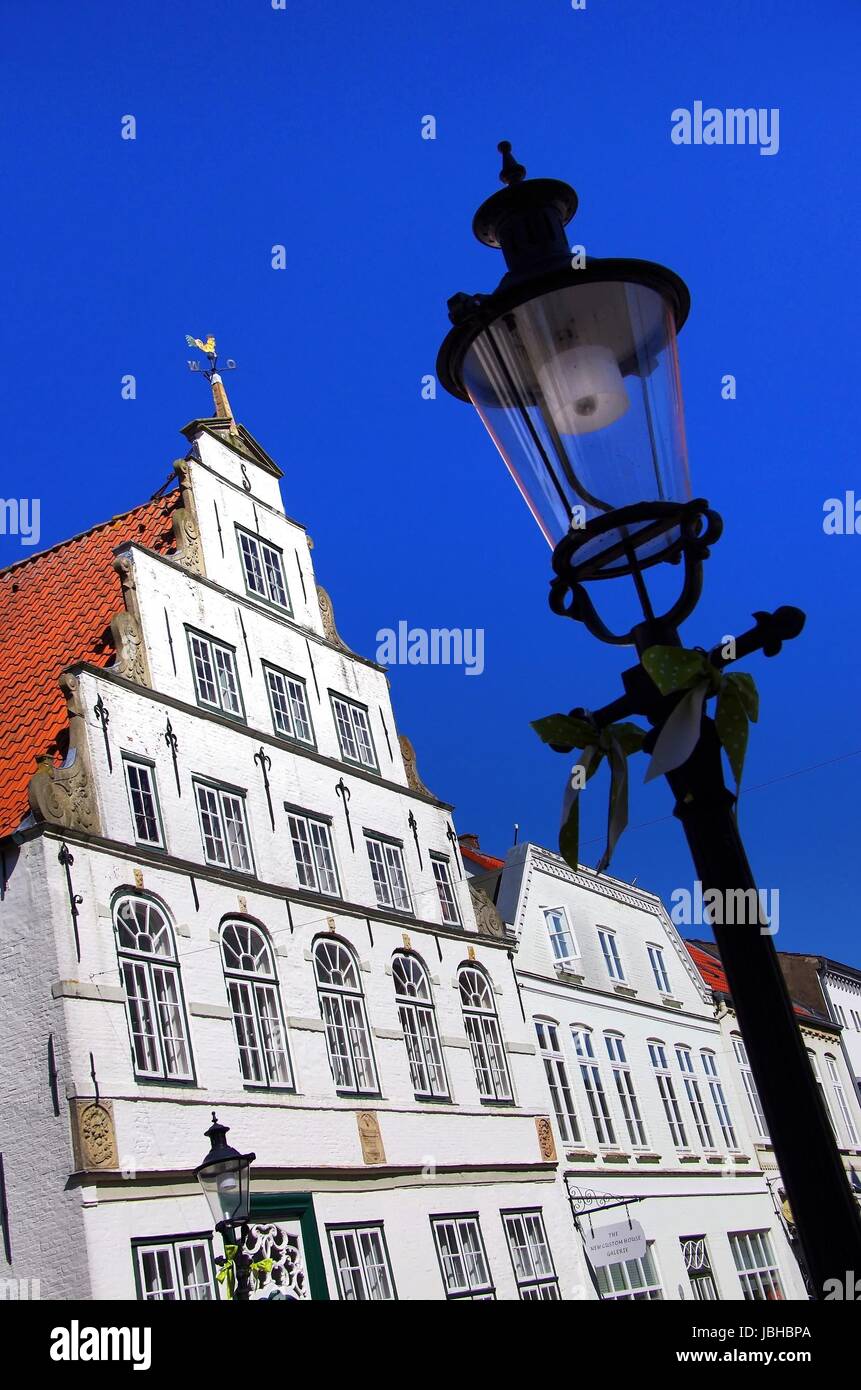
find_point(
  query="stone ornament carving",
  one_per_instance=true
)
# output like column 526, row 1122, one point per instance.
column 186, row 529
column 408, row 754
column 370, row 1136
column 64, row 795
column 487, row 919
column 131, row 660
column 288, row 1278
column 546, row 1142
column 327, row 616
column 94, row 1137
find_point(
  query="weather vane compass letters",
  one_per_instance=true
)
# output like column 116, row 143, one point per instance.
column 213, row 375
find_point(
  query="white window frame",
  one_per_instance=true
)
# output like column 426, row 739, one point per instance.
column 593, row 1084
column 561, row 936
column 389, row 873
column 695, row 1253
column 463, row 1258
column 610, row 952
column 345, row 1016
column 288, row 705
column 222, row 675
column 659, row 967
column 486, row 1044
column 225, row 813
column 176, row 1290
column 269, row 561
column 719, row 1100
column 353, row 727
column 313, row 851
column 743, row 1063
column 817, row 1074
column 531, row 1259
column 441, row 870
column 558, row 1081
column 255, row 1002
column 418, row 1020
column 757, row 1269
column 626, row 1091
column 144, row 772
column 667, row 1092
column 837, row 1087
column 155, row 1004
column 632, row 1280
column 360, row 1258
column 687, row 1071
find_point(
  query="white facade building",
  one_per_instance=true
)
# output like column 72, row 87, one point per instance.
column 235, row 895
column 641, row 1083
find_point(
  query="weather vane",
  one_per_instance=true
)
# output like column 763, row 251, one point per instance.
column 212, row 374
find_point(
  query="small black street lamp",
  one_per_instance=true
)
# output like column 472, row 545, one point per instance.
column 571, row 363
column 225, row 1177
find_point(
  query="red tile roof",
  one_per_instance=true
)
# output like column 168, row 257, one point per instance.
column 484, row 861
column 714, row 976
column 55, row 608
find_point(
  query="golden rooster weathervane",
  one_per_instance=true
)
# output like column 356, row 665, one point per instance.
column 212, row 374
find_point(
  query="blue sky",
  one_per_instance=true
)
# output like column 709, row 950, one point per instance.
column 302, row 127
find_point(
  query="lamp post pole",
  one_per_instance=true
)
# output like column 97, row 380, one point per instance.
column 572, row 366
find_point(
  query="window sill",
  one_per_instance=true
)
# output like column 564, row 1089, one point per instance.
column 615, row 1157
column 625, row 991
column 648, row 1158
column 689, row 1158
column 565, row 972
column 668, row 1002
column 580, row 1155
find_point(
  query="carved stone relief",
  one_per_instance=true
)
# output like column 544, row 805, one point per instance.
column 487, row 918
column 126, row 631
column 94, row 1137
column 64, row 795
column 185, row 524
column 408, row 754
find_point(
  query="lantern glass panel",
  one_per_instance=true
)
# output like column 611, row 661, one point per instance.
column 579, row 389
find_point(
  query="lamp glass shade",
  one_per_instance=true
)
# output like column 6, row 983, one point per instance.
column 579, row 389
column 227, row 1188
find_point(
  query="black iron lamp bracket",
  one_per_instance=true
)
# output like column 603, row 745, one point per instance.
column 690, row 529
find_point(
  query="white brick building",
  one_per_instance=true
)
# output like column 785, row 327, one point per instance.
column 236, row 895
column 642, row 1084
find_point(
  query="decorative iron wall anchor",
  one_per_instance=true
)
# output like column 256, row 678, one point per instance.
column 67, row 859
column 172, row 742
column 52, row 1075
column 103, row 715
column 455, row 847
column 343, row 791
column 262, row 757
column 414, row 827
column 170, row 641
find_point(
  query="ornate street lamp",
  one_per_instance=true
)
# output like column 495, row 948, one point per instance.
column 572, row 365
column 225, row 1177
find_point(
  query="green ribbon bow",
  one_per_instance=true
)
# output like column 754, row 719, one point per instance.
column 615, row 743
column 675, row 668
column 227, row 1273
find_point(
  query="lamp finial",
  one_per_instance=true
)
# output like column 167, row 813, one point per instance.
column 511, row 172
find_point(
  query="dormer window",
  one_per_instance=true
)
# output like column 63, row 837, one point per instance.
column 263, row 566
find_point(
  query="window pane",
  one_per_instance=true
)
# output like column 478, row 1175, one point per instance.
column 228, row 684
column 204, row 675
column 250, row 551
column 214, row 848
column 144, row 805
column 158, row 1278
column 194, row 1272
column 235, row 832
column 172, row 1021
column 324, row 858
column 445, row 891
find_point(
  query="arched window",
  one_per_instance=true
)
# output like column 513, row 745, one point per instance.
column 154, row 1003
column 485, row 1038
column 258, row 1018
column 418, row 1020
column 342, row 1005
